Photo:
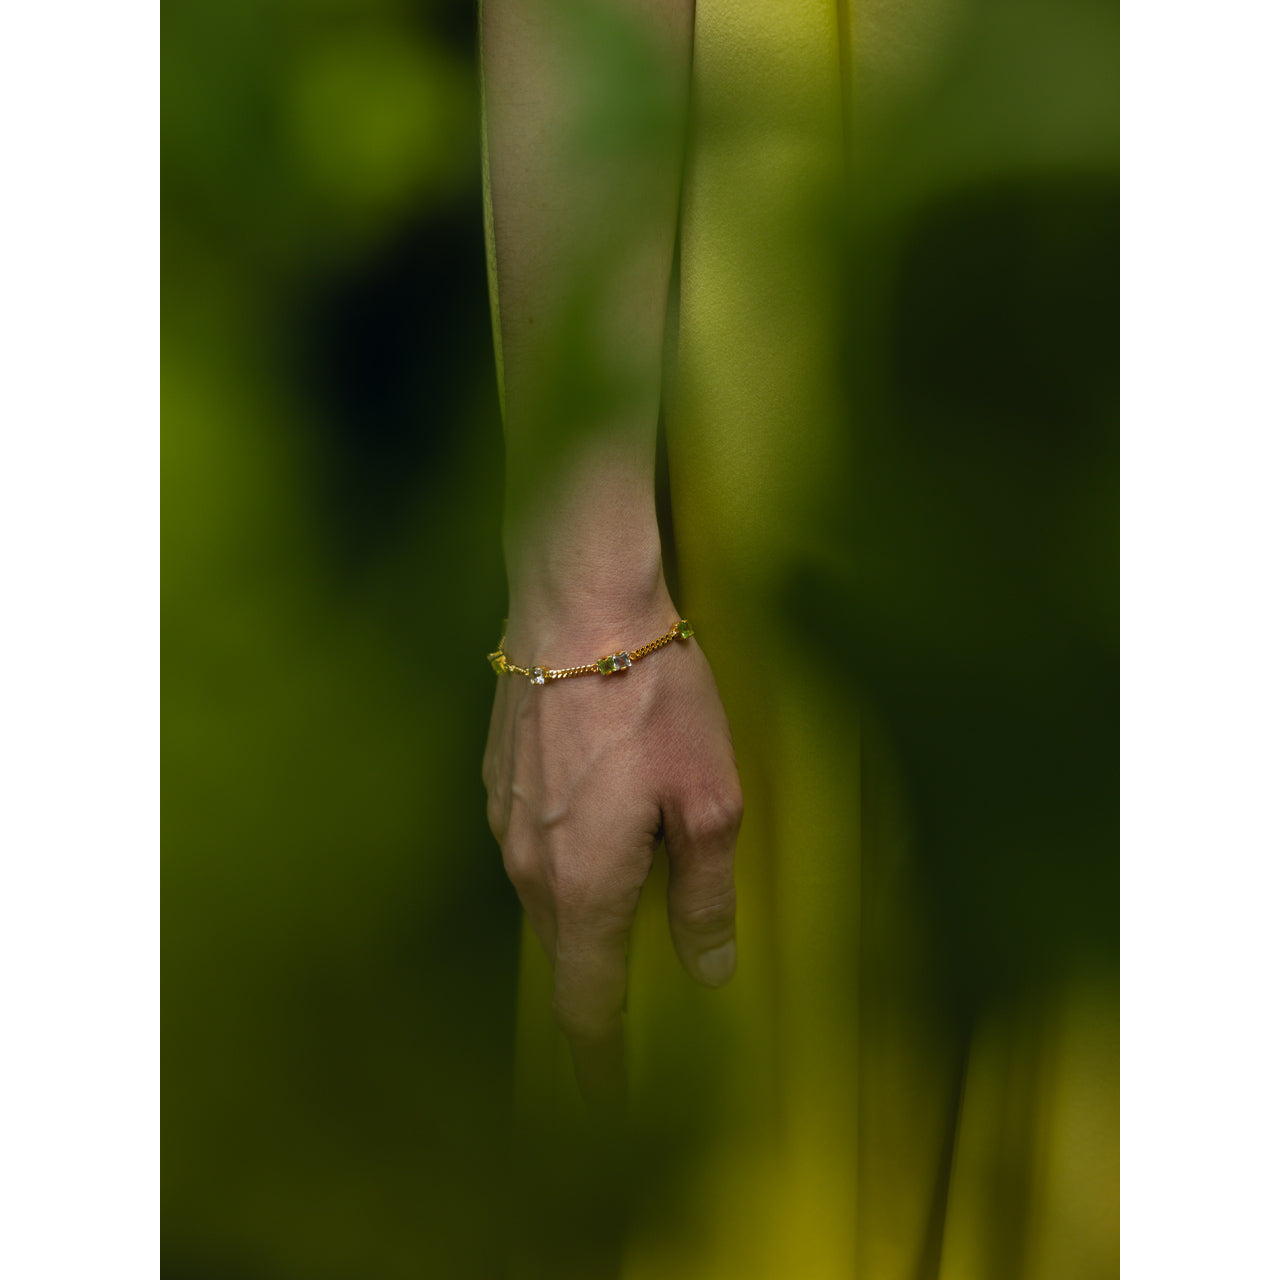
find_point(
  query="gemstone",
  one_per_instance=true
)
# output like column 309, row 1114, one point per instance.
column 605, row 665
column 684, row 629
column 538, row 675
column 498, row 662
column 621, row 661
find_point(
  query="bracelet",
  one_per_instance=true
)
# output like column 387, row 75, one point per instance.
column 611, row 662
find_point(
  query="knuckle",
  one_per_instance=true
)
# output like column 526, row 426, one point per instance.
column 581, row 897
column 716, row 818
column 575, row 881
column 496, row 812
column 711, row 915
column 593, row 899
column 585, row 1024
column 520, row 865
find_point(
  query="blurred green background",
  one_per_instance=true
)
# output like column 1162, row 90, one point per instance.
column 340, row 944
column 970, row 563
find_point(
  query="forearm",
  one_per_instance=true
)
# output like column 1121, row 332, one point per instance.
column 585, row 103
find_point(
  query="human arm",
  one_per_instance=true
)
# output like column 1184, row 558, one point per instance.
column 586, row 775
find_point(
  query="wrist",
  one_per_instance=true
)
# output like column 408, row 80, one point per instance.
column 607, row 571
column 585, row 573
column 567, row 619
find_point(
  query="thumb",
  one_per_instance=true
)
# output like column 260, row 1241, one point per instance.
column 701, row 835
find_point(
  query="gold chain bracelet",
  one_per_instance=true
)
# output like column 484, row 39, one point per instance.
column 605, row 666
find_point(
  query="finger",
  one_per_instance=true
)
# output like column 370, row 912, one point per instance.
column 591, row 987
column 701, row 837
column 542, row 920
column 522, row 865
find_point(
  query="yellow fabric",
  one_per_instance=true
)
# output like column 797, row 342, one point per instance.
column 853, row 1136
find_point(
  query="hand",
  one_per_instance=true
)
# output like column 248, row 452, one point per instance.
column 585, row 777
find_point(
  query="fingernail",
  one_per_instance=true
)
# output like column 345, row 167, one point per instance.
column 716, row 967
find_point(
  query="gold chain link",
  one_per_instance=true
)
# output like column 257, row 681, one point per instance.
column 681, row 629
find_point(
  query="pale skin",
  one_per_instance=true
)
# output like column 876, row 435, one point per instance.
column 586, row 777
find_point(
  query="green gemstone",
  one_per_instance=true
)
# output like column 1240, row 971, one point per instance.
column 606, row 665
column 685, row 629
column 498, row 662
